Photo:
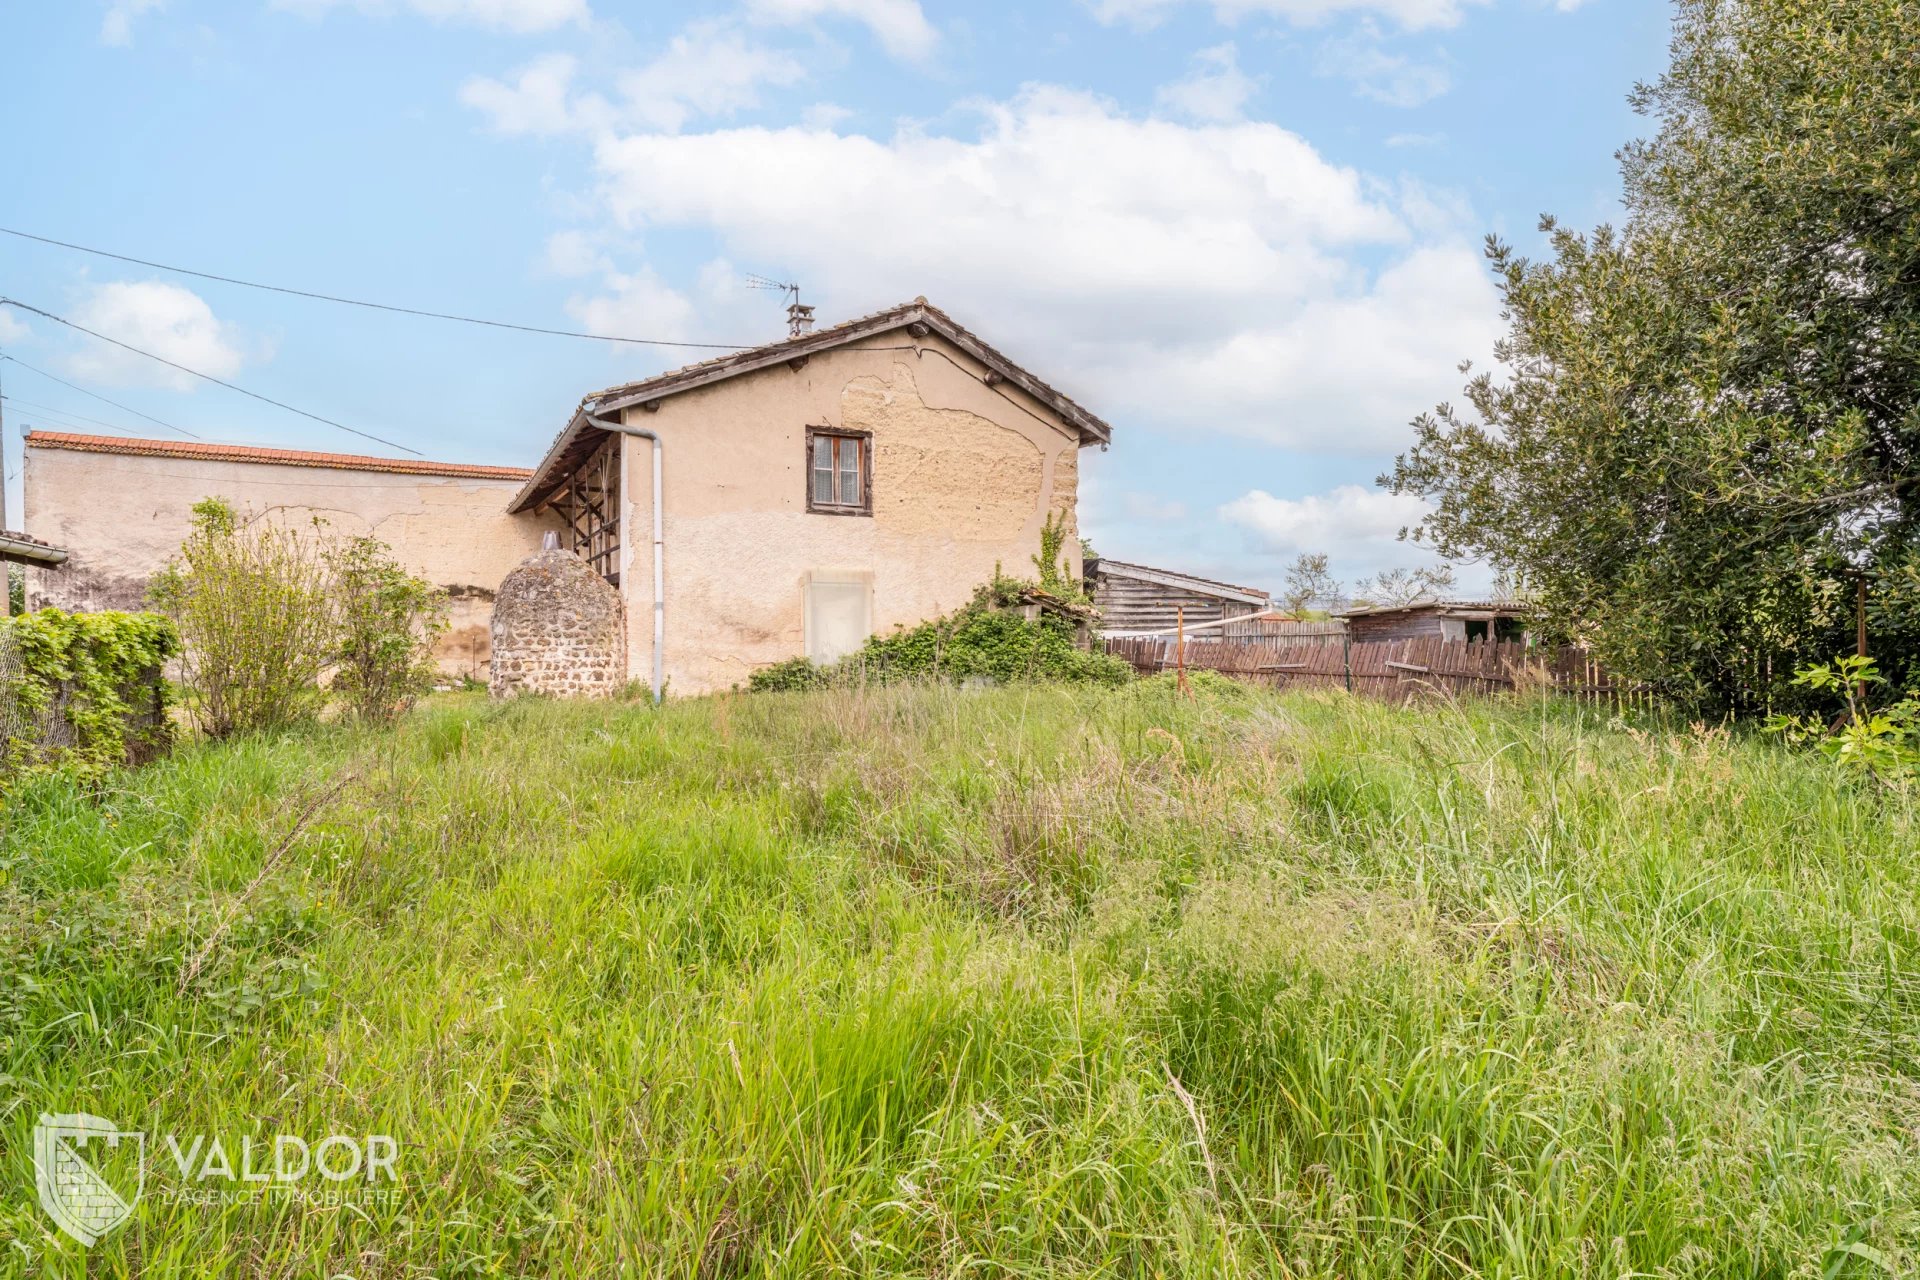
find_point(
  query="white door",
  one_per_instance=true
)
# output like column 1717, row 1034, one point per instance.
column 839, row 614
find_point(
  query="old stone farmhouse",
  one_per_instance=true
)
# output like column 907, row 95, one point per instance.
column 792, row 498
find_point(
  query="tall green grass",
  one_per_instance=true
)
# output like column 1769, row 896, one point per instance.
column 1020, row 982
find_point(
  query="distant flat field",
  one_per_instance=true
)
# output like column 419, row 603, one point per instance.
column 924, row 982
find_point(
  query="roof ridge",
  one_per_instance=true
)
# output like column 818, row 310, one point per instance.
column 567, row 447
column 758, row 349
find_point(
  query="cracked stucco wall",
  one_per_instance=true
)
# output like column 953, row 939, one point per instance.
column 122, row 517
column 963, row 478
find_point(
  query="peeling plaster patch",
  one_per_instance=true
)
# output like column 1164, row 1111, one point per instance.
column 941, row 471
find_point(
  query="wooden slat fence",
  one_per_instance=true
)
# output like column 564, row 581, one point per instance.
column 1393, row 669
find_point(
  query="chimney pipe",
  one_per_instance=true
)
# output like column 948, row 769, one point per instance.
column 799, row 319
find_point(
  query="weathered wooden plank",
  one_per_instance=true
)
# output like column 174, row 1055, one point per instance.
column 1400, row 669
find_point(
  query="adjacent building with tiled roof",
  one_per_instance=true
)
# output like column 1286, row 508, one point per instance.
column 120, row 508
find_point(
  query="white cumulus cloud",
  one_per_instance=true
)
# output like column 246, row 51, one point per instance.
column 518, row 16
column 117, row 26
column 1410, row 14
column 1358, row 528
column 710, row 69
column 1221, row 277
column 1395, row 79
column 165, row 319
column 1341, row 371
column 1216, row 90
column 634, row 304
column 538, row 100
column 900, row 26
column 12, row 327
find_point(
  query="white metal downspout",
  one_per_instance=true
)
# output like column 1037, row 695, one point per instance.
column 659, row 551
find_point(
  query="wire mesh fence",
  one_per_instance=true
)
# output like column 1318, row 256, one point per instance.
column 13, row 717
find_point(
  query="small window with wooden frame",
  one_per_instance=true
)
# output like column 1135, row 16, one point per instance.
column 839, row 472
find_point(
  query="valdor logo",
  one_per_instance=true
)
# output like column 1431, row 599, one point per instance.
column 87, row 1198
column 90, row 1172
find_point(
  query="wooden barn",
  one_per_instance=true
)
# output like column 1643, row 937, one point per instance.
column 1139, row 598
column 1447, row 619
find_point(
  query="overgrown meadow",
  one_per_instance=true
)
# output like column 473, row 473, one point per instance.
column 917, row 981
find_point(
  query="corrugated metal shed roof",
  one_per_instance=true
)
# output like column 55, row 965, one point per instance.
column 1192, row 582
column 1515, row 607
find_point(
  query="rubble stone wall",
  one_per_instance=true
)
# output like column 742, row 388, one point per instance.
column 558, row 629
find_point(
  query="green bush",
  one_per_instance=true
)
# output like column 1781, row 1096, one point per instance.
column 983, row 639
column 389, row 620
column 257, row 616
column 265, row 610
column 82, row 692
column 785, row 677
column 1875, row 737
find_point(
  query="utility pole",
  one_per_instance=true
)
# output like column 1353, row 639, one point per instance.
column 1860, row 631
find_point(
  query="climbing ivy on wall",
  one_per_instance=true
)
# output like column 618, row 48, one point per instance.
column 82, row 691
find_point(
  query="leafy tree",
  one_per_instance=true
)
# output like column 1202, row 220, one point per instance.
column 1404, row 586
column 1708, row 419
column 1311, row 583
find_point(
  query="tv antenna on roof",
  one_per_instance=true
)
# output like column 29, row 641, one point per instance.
column 799, row 315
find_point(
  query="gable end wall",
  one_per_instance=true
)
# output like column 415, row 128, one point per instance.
column 963, row 478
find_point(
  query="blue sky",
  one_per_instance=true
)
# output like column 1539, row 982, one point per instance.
column 1246, row 233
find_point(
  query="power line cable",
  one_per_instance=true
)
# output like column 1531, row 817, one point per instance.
column 64, row 419
column 375, row 306
column 219, row 382
column 97, row 396
column 59, row 417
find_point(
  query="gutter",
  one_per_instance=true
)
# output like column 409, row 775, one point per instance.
column 659, row 549
column 26, row 551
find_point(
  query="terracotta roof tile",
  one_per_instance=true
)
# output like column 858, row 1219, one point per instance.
column 282, row 457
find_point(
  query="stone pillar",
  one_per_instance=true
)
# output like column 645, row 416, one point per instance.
column 559, row 628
